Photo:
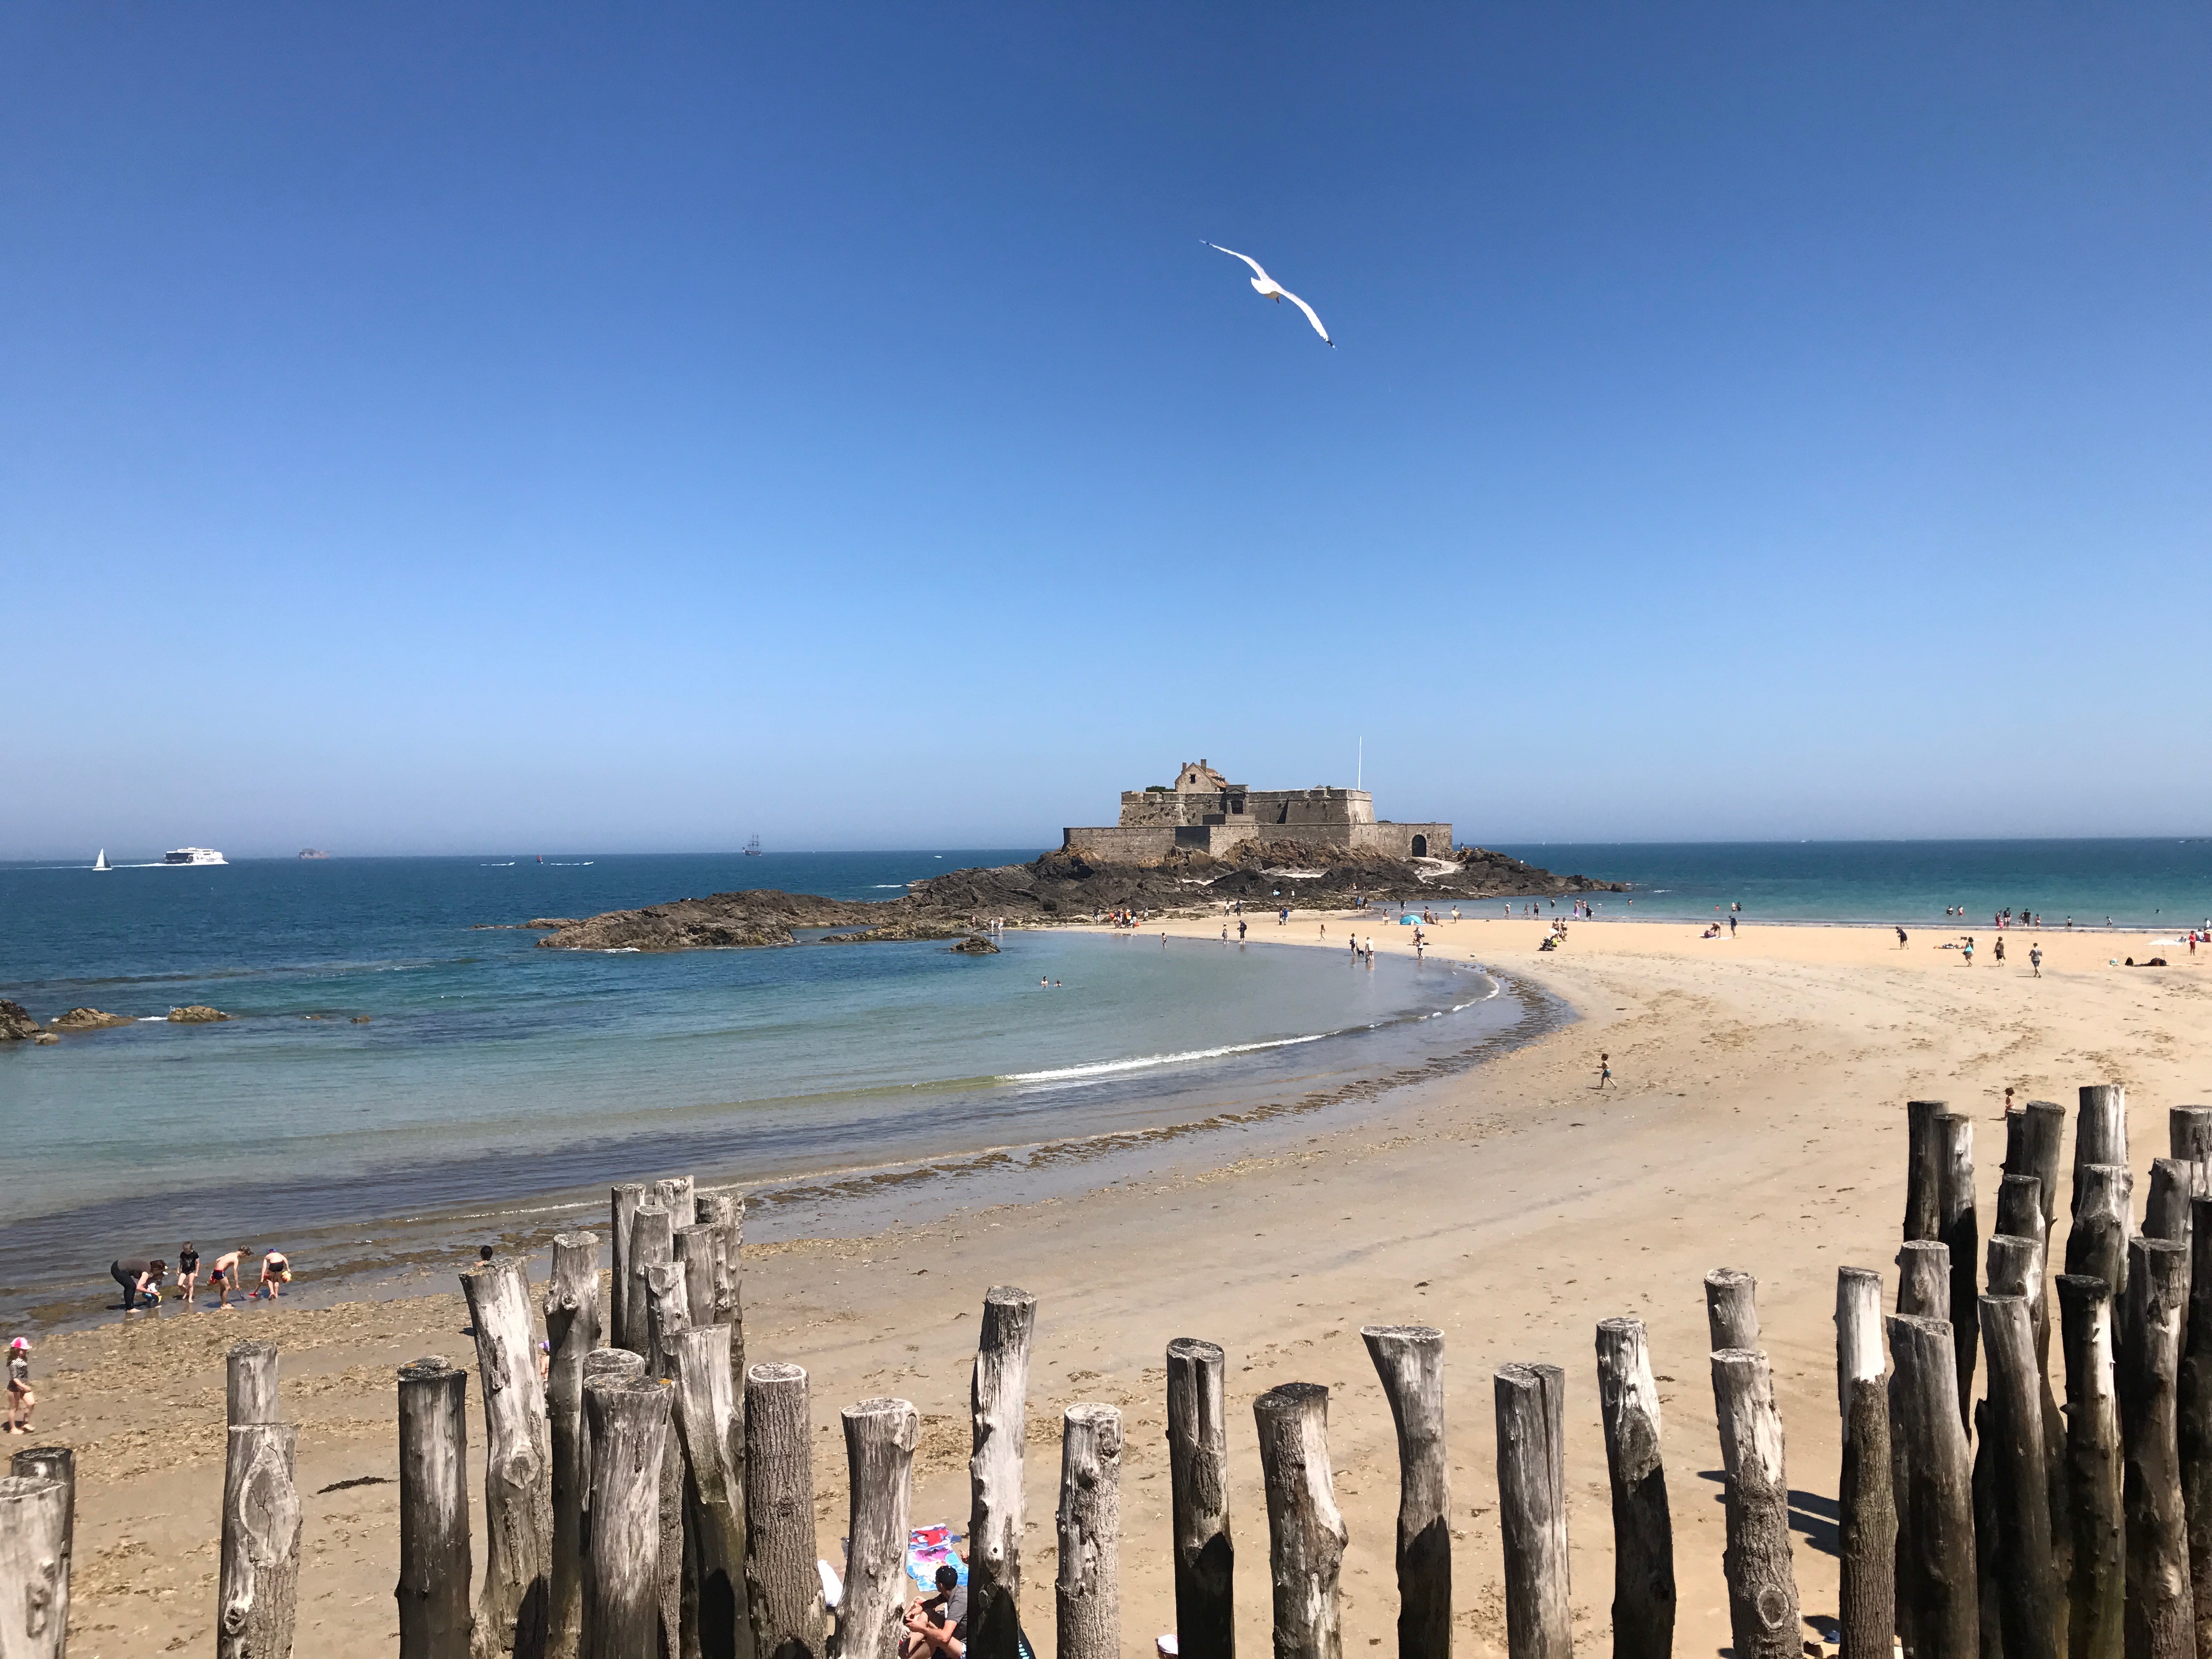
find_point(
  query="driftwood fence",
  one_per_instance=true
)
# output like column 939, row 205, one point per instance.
column 653, row 1497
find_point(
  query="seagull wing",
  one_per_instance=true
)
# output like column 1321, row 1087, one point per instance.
column 1311, row 317
column 1248, row 259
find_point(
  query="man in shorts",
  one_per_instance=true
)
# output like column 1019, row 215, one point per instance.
column 222, row 1278
column 21, row 1399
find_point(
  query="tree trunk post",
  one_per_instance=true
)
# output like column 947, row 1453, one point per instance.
column 1961, row 1232
column 572, row 1332
column 707, row 1428
column 2020, row 1206
column 2161, row 1607
column 652, row 1239
column 1867, row 1504
column 512, row 1604
column 2034, row 1138
column 1762, row 1587
column 622, row 1215
column 2189, row 1137
column 2100, row 1132
column 1937, row 1593
column 1732, row 1309
column 1923, row 1279
column 53, row 1463
column 2193, row 1415
column 2017, row 1267
column 600, row 1365
column 1305, row 1531
column 677, row 1195
column 783, row 1592
column 999, row 1405
column 2029, row 1606
column 250, row 1384
column 34, row 1566
column 629, row 1418
column 2165, row 1212
column 2097, row 1245
column 259, row 1590
column 434, row 1510
column 1087, row 1590
column 1198, row 1477
column 1643, row 1525
column 1531, row 1403
column 880, row 1442
column 667, row 1315
column 2097, row 1588
column 1410, row 1361
column 698, row 1250
column 1924, row 1170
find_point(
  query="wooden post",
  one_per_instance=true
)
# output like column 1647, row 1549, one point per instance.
column 623, row 1215
column 667, row 1317
column 512, row 1604
column 2020, row 1206
column 2097, row 1245
column 1410, row 1361
column 2193, row 1413
column 629, row 1418
column 2189, row 1137
column 1866, row 1529
column 667, row 1312
column 2165, row 1212
column 1643, row 1525
column 259, row 1588
column 697, row 1251
column 652, row 1239
column 1732, row 1309
column 2017, row 1267
column 998, row 1403
column 2097, row 1588
column 2100, row 1132
column 880, row 1441
column 1937, row 1588
column 35, row 1562
column 1305, row 1531
column 1923, row 1279
column 676, row 1194
column 1961, row 1232
column 434, row 1510
column 782, row 1589
column 1087, row 1591
column 250, row 1384
column 1198, row 1480
column 2033, row 1140
column 2161, row 1609
column 53, row 1463
column 1762, row 1589
column 2028, row 1603
column 1924, row 1170
column 601, row 1366
column 572, row 1332
column 707, row 1427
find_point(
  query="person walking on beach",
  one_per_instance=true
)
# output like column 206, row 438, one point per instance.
column 1996, row 951
column 222, row 1278
column 1969, row 958
column 141, row 1281
column 2035, row 958
column 20, row 1401
column 188, row 1270
column 1900, row 939
column 1240, row 930
column 1605, row 1072
column 1731, row 924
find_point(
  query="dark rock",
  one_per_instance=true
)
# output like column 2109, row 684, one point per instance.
column 14, row 1024
column 360, row 1019
column 975, row 945
column 89, row 1019
column 196, row 1014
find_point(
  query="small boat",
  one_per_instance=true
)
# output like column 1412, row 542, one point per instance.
column 753, row 847
column 101, row 863
column 193, row 855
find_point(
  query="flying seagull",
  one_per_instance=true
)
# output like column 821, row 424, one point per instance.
column 1267, row 286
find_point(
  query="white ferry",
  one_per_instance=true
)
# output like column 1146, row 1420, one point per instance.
column 193, row 855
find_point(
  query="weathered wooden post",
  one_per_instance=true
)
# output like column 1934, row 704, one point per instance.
column 1087, row 1591
column 1305, row 1531
column 623, row 1215
column 260, row 1588
column 698, row 1252
column 1867, row 1530
column 2020, row 1206
column 53, row 1463
column 782, row 1589
column 1198, row 1480
column 652, row 1240
column 1923, row 1279
column 2100, row 1132
column 1643, row 1525
column 880, row 1441
column 629, row 1418
column 512, row 1604
column 2160, row 1611
column 667, row 1317
column 2034, row 1138
column 434, row 1510
column 2189, row 1137
column 2097, row 1245
column 1410, row 1361
column 712, row 1442
column 676, row 1195
column 1961, row 1232
column 1531, row 1403
column 572, row 1332
column 2193, row 1408
column 2017, row 1267
column 1762, row 1587
column 35, row 1523
column 2029, row 1606
column 1937, row 1596
column 1924, row 1170
column 2165, row 1212
column 2097, row 1588
column 249, row 1389
column 998, row 1403
column 1732, row 1309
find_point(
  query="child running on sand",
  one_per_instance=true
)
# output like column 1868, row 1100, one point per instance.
column 20, row 1401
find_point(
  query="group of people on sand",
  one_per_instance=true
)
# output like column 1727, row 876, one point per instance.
column 142, row 1281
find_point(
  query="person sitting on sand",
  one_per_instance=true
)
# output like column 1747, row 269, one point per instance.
column 938, row 1624
column 141, row 1281
column 222, row 1278
column 21, row 1399
column 276, row 1272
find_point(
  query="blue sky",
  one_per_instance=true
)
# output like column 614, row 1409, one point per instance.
column 457, row 427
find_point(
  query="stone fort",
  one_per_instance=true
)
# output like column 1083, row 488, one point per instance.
column 1203, row 811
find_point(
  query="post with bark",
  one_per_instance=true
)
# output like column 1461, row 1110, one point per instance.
column 53, row 1463
column 667, row 1317
column 259, row 1586
column 1198, row 1481
column 2193, row 1412
column 1924, row 1170
column 34, row 1566
column 698, row 1252
column 513, row 1603
column 434, row 1510
column 2189, row 1137
column 1923, row 1279
column 601, row 1366
column 1762, row 1587
column 1866, row 1502
column 652, row 1241
column 572, row 1332
column 2161, row 1612
column 1961, row 1232
column 629, row 1418
column 2097, row 1586
column 1530, row 1405
column 880, row 1441
column 2097, row 1245
column 2029, row 1606
column 677, row 1195
column 1732, row 1309
column 1306, row 1535
column 2100, row 1132
column 999, row 1405
column 1643, row 1525
column 621, row 1214
column 2165, row 1211
column 2017, row 1267
column 2034, row 1138
column 1937, row 1597
column 2020, row 1206
column 249, row 1390
column 1410, row 1361
column 783, row 1590
column 1087, row 1590
column 714, row 1494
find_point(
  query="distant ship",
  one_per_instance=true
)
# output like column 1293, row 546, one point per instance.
column 753, row 847
column 193, row 855
column 312, row 853
column 101, row 863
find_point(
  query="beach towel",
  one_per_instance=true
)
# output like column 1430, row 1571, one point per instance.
column 928, row 1548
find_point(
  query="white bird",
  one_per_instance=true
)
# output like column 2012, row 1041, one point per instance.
column 1270, row 289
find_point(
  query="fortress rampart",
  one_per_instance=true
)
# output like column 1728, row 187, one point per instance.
column 1203, row 811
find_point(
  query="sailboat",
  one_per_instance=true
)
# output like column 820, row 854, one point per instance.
column 101, row 863
column 753, row 847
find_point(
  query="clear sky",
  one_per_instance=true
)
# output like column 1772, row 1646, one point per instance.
column 457, row 427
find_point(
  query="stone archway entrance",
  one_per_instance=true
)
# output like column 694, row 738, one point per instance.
column 1420, row 847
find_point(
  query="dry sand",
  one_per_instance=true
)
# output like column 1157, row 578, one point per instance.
column 1759, row 1123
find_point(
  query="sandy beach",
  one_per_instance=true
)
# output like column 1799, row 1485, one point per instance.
column 1759, row 1123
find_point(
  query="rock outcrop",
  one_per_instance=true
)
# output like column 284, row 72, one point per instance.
column 196, row 1014
column 720, row 920
column 975, row 945
column 89, row 1019
column 16, row 1025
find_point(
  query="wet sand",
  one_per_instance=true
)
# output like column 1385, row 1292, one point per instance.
column 1759, row 1123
